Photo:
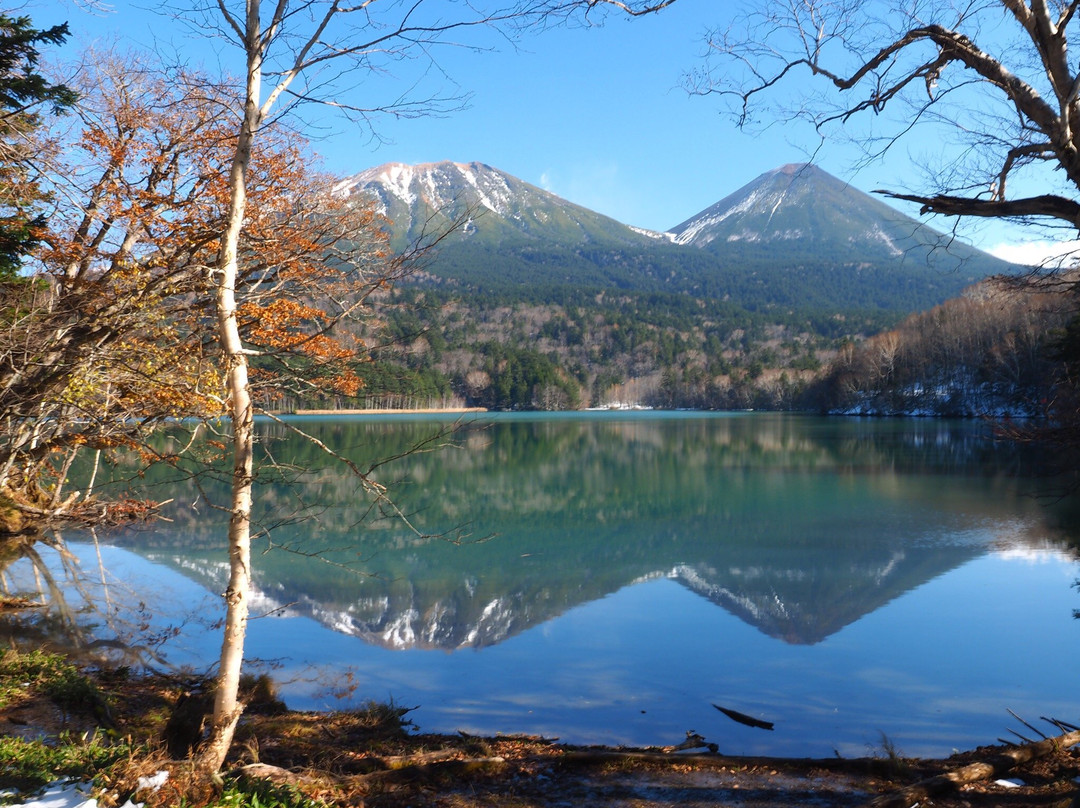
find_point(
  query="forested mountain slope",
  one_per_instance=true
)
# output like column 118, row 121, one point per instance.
column 996, row 350
column 800, row 211
column 796, row 236
column 535, row 302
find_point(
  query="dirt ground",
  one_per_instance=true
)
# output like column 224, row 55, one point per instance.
column 520, row 772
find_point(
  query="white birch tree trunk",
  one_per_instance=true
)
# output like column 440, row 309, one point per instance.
column 227, row 706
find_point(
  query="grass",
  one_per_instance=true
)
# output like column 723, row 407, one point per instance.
column 51, row 675
column 30, row 765
column 896, row 766
column 253, row 794
column 42, row 691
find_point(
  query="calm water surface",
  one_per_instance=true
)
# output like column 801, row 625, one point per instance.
column 612, row 577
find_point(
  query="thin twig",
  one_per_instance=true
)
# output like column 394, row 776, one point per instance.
column 1025, row 723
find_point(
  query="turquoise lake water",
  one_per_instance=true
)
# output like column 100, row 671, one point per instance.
column 608, row 578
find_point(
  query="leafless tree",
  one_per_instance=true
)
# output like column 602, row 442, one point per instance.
column 973, row 355
column 988, row 82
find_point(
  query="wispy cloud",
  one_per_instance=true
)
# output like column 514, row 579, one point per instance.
column 1052, row 254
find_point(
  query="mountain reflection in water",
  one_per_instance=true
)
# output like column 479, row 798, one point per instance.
column 799, row 527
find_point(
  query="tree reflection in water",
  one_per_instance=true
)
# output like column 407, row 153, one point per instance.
column 52, row 601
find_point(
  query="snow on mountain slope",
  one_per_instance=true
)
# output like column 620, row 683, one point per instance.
column 483, row 201
column 800, row 202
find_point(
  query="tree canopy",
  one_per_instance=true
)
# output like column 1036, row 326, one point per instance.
column 111, row 337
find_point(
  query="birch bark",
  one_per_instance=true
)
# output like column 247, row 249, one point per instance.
column 227, row 708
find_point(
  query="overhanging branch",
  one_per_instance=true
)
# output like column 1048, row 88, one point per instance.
column 1057, row 207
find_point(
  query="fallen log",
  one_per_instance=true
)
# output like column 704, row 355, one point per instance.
column 277, row 775
column 1005, row 760
column 393, row 770
column 589, row 757
column 419, row 759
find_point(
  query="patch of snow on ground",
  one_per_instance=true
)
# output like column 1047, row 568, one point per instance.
column 745, row 235
column 434, row 198
column 74, row 795
column 776, row 206
column 67, row 795
column 877, row 234
column 490, row 197
column 653, row 234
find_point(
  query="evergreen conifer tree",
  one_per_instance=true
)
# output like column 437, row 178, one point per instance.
column 24, row 95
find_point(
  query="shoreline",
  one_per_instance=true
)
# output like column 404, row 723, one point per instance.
column 410, row 411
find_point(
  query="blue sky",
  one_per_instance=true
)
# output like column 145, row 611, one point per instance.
column 595, row 114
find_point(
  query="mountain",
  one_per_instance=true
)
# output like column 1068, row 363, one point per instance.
column 492, row 208
column 510, row 235
column 799, row 213
column 534, row 302
column 796, row 236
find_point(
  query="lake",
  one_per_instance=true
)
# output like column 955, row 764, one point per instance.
column 609, row 577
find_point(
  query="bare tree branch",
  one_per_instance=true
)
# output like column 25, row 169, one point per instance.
column 289, row 44
column 1001, row 89
column 1052, row 206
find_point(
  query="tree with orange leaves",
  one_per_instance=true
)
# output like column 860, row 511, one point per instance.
column 115, row 335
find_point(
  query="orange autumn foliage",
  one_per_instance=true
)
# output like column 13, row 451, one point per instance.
column 117, row 335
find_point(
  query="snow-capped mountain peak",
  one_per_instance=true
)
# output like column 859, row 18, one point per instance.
column 498, row 206
column 801, row 205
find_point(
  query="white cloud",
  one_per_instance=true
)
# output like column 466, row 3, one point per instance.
column 1056, row 254
column 598, row 184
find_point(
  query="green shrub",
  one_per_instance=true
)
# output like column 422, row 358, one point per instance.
column 262, row 794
